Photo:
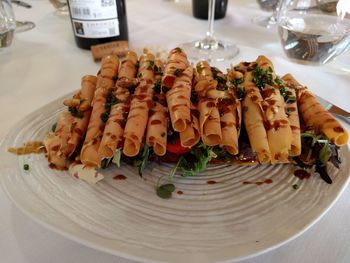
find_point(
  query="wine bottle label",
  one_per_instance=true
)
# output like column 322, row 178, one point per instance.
column 94, row 18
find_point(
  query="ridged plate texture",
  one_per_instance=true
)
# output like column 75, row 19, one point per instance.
column 211, row 217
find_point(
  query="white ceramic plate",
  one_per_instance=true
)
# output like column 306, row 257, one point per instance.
column 224, row 221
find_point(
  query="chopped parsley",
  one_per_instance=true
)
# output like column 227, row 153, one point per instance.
column 291, row 99
column 26, row 167
column 236, row 82
column 240, row 92
column 104, row 116
column 151, row 65
column 178, row 72
column 75, row 113
column 157, row 86
column 295, row 186
column 157, row 70
column 53, row 127
column 199, row 69
column 262, row 77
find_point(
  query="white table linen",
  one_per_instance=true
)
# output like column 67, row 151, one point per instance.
column 44, row 64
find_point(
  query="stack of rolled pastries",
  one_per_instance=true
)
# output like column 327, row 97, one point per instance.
column 142, row 100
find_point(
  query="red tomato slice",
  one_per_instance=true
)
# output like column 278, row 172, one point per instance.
column 176, row 147
column 120, row 144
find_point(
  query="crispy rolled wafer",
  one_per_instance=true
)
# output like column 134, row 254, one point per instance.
column 279, row 133
column 179, row 99
column 209, row 122
column 127, row 72
column 147, row 67
column 317, row 117
column 135, row 127
column 191, row 135
column 89, row 152
column 56, row 143
column 157, row 129
column 108, row 72
column 293, row 116
column 114, row 130
column 253, row 114
column 177, row 63
column 230, row 125
column 71, row 126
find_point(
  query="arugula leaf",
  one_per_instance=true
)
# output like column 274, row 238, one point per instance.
column 144, row 158
column 196, row 161
column 117, row 156
column 318, row 151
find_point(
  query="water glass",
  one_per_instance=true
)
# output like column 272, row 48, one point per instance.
column 7, row 23
column 61, row 6
column 310, row 33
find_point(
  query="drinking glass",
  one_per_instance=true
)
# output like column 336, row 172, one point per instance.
column 311, row 35
column 61, row 6
column 210, row 48
column 267, row 21
column 7, row 23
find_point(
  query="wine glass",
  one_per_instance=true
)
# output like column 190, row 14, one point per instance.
column 313, row 35
column 7, row 23
column 22, row 26
column 210, row 48
column 267, row 21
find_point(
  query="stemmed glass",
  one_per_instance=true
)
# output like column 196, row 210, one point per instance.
column 210, row 48
column 267, row 21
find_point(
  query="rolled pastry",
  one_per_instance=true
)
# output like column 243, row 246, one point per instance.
column 293, row 115
column 316, row 116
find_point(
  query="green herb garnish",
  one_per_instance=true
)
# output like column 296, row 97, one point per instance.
column 165, row 191
column 75, row 112
column 26, row 167
column 142, row 159
column 295, row 186
column 157, row 86
column 262, row 77
column 178, row 72
column 240, row 92
column 236, row 82
column 104, row 116
column 199, row 69
column 151, row 65
column 53, row 127
column 291, row 99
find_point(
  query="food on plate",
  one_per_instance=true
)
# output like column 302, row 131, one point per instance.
column 71, row 125
column 142, row 109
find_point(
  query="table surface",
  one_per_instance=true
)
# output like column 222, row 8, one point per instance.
column 44, row 64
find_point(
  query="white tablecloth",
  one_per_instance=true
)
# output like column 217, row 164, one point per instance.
column 44, row 63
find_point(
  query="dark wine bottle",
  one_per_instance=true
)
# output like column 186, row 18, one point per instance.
column 98, row 21
column 200, row 8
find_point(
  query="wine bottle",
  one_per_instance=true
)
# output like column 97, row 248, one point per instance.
column 200, row 9
column 98, row 21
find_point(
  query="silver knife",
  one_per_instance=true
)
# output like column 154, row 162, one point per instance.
column 340, row 113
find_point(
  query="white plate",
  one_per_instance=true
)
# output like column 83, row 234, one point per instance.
column 224, row 221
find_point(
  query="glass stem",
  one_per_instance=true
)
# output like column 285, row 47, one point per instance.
column 211, row 14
